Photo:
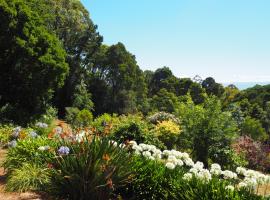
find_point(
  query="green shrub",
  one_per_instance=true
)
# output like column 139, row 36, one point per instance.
column 79, row 118
column 5, row 133
column 163, row 116
column 133, row 127
column 27, row 151
column 154, row 181
column 29, row 177
column 91, row 170
column 105, row 122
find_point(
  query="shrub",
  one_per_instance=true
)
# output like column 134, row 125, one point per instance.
column 133, row 127
column 163, row 116
column 154, row 181
column 104, row 123
column 90, row 170
column 5, row 133
column 167, row 132
column 29, row 151
column 254, row 129
column 29, row 177
column 254, row 152
column 78, row 118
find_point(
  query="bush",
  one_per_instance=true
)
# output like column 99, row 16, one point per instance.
column 78, row 118
column 91, row 170
column 163, row 116
column 29, row 177
column 154, row 181
column 167, row 132
column 28, row 151
column 254, row 129
column 256, row 153
column 104, row 123
column 5, row 133
column 133, row 127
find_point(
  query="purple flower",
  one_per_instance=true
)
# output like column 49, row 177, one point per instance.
column 33, row 134
column 63, row 150
column 16, row 132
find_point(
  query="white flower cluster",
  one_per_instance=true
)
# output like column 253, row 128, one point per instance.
column 41, row 125
column 173, row 158
column 252, row 178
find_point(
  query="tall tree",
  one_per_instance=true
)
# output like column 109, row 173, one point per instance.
column 32, row 61
column 212, row 88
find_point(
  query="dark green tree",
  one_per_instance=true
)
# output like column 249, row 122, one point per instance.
column 212, row 88
column 32, row 62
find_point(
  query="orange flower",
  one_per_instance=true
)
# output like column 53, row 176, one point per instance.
column 106, row 157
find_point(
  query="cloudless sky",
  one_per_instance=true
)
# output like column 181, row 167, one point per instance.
column 226, row 39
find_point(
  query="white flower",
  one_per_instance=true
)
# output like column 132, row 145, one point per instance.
column 194, row 171
column 179, row 163
column 170, row 165
column 114, row 143
column 146, row 154
column 122, row 145
column 229, row 174
column 242, row 185
column 43, row 148
column 157, row 155
column 133, row 143
column 241, row 170
column 187, row 176
column 229, row 187
column 189, row 162
column 198, row 165
column 42, row 125
column 172, row 159
column 215, row 169
column 251, row 182
column 204, row 175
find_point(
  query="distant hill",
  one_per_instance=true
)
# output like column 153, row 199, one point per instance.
column 245, row 85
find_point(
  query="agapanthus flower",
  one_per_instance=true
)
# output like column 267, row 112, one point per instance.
column 42, row 125
column 33, row 134
column 12, row 144
column 204, row 175
column 16, row 132
column 229, row 187
column 63, row 150
column 43, row 148
column 241, row 170
column 170, row 165
column 187, row 176
column 229, row 174
column 215, row 169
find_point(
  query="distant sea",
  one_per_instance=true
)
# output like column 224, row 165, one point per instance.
column 245, row 85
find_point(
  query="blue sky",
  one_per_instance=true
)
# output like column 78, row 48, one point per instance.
column 226, row 39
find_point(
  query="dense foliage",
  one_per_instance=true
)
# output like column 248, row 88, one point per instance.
column 53, row 65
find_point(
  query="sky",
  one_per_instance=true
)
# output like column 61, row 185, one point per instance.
column 225, row 39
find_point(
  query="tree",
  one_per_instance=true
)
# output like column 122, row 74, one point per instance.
column 207, row 127
column 70, row 21
column 121, row 77
column 162, row 78
column 212, row 88
column 82, row 98
column 253, row 128
column 165, row 101
column 197, row 93
column 32, row 61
